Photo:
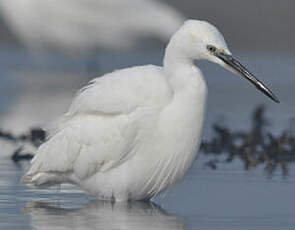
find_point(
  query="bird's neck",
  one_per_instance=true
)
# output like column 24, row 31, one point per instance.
column 180, row 69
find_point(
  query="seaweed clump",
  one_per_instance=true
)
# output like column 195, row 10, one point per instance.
column 253, row 148
column 34, row 137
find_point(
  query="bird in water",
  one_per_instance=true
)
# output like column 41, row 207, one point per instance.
column 130, row 134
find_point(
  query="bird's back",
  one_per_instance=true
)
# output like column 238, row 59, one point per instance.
column 123, row 91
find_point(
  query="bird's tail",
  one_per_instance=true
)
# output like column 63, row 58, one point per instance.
column 43, row 179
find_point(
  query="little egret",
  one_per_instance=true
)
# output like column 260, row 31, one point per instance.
column 132, row 133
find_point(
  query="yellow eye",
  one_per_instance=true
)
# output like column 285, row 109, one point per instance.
column 211, row 48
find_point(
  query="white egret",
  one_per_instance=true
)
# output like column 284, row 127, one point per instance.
column 130, row 134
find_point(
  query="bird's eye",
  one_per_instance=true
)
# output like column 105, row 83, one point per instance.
column 211, row 48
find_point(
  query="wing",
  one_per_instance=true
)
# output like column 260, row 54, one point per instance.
column 101, row 128
column 87, row 144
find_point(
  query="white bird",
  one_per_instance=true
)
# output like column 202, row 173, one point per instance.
column 76, row 26
column 132, row 133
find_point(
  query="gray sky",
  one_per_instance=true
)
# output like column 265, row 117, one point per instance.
column 263, row 24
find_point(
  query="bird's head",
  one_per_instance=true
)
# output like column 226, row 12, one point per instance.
column 201, row 40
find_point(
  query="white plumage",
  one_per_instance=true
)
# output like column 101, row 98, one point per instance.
column 130, row 134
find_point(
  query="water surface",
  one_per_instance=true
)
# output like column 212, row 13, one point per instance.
column 226, row 198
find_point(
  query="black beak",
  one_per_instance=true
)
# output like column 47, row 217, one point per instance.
column 241, row 70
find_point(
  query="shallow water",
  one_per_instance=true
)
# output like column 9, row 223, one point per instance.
column 226, row 198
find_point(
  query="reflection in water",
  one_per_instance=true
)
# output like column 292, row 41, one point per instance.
column 102, row 215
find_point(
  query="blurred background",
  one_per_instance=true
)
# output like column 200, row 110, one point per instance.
column 266, row 25
column 48, row 49
column 51, row 48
